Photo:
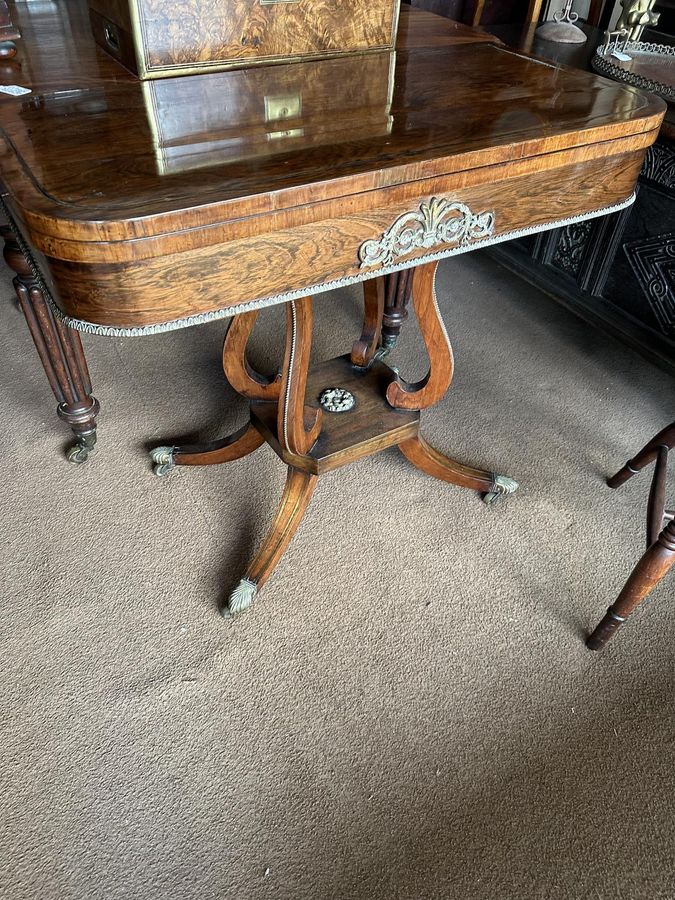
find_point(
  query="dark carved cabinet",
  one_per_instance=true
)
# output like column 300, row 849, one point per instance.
column 618, row 271
column 641, row 281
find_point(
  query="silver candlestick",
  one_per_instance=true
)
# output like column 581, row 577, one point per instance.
column 562, row 28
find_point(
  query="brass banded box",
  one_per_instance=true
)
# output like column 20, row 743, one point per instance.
column 159, row 38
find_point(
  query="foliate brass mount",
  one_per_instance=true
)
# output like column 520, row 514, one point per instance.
column 439, row 222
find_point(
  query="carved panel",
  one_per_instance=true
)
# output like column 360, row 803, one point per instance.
column 653, row 262
column 659, row 164
column 571, row 245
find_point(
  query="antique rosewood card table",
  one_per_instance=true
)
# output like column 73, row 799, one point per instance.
column 139, row 207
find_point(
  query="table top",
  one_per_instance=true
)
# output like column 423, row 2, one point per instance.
column 93, row 154
column 165, row 203
column 579, row 56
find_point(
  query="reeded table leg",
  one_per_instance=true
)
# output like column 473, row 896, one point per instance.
column 60, row 351
column 397, row 289
column 645, row 576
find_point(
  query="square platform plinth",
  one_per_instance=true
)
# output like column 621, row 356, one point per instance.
column 370, row 426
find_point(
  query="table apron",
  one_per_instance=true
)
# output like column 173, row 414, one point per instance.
column 195, row 285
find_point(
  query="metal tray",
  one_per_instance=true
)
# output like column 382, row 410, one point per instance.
column 651, row 67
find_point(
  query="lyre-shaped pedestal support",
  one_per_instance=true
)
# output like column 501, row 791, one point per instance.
column 365, row 349
column 430, row 389
column 425, row 393
column 340, row 411
column 298, row 425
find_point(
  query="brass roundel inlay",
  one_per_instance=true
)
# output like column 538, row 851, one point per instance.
column 335, row 399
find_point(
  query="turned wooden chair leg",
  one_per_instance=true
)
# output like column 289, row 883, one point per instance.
column 60, row 351
column 645, row 576
column 647, row 455
column 298, row 491
column 656, row 506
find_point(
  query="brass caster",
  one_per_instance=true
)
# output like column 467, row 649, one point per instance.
column 501, row 485
column 79, row 453
column 381, row 353
column 163, row 460
column 240, row 599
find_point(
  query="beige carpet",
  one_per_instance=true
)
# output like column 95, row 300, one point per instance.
column 409, row 711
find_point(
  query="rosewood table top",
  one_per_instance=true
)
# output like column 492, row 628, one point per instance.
column 157, row 204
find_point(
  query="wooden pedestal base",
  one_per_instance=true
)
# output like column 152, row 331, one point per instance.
column 371, row 425
column 344, row 409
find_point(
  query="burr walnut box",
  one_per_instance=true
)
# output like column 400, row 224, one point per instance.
column 158, row 38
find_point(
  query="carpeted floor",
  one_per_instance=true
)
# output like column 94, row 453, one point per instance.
column 409, row 711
